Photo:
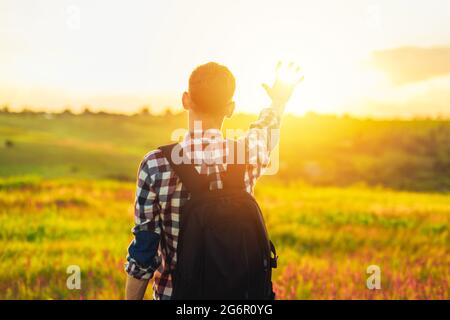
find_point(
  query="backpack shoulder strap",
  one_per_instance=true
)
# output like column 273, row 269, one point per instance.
column 194, row 182
column 234, row 176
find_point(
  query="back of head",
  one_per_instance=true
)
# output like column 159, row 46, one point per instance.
column 211, row 88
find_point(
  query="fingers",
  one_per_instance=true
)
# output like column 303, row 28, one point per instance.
column 299, row 75
column 291, row 67
column 290, row 73
column 267, row 88
column 296, row 70
column 278, row 68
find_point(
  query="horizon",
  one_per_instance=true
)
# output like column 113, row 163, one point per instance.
column 88, row 109
column 368, row 59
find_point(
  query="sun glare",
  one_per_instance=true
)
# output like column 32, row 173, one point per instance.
column 288, row 75
column 48, row 63
column 331, row 87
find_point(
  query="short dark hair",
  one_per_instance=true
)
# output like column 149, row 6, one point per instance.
column 211, row 88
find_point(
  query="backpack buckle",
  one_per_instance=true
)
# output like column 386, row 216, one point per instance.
column 274, row 260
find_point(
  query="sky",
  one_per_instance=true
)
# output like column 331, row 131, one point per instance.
column 382, row 58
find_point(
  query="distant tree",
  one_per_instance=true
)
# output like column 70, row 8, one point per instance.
column 87, row 110
column 168, row 112
column 104, row 113
column 9, row 143
column 67, row 111
column 4, row 109
column 26, row 110
column 74, row 169
column 145, row 111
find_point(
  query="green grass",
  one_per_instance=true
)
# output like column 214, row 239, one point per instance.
column 67, row 188
column 83, row 147
column 320, row 150
column 326, row 238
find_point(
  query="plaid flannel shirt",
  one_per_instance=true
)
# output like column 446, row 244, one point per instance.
column 160, row 195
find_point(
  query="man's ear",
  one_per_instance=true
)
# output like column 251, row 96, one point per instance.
column 186, row 100
column 230, row 109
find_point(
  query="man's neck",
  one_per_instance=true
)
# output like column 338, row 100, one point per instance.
column 204, row 123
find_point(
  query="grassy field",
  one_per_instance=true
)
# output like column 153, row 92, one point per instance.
column 66, row 198
column 326, row 239
column 320, row 150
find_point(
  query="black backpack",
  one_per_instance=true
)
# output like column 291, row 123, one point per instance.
column 223, row 248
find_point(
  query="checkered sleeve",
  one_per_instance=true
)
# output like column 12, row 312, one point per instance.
column 143, row 259
column 261, row 139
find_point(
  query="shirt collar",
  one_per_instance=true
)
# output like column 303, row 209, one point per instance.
column 205, row 147
column 205, row 136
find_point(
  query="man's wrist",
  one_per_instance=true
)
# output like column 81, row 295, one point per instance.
column 135, row 288
column 278, row 106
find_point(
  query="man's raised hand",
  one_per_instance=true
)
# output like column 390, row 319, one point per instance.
column 287, row 78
